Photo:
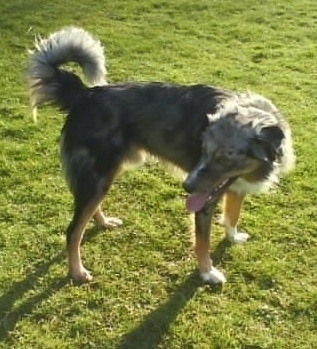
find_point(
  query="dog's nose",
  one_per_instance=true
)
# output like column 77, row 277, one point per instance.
column 188, row 186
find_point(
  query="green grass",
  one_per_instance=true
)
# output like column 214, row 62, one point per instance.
column 146, row 292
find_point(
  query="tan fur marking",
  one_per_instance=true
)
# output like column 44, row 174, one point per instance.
column 99, row 216
column 232, row 203
column 253, row 175
column 73, row 249
column 201, row 249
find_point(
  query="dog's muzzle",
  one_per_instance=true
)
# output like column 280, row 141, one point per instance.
column 197, row 200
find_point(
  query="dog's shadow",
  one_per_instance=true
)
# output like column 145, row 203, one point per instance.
column 150, row 332
column 10, row 314
column 220, row 250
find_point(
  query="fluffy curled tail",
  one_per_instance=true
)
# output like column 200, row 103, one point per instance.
column 50, row 84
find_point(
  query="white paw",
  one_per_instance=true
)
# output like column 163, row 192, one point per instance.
column 111, row 222
column 238, row 237
column 80, row 275
column 214, row 276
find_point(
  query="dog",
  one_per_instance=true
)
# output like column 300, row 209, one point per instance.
column 227, row 143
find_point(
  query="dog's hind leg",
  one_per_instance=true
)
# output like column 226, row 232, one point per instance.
column 232, row 203
column 201, row 247
column 106, row 222
column 75, row 233
column 87, row 197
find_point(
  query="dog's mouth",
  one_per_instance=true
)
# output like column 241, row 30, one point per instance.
column 196, row 201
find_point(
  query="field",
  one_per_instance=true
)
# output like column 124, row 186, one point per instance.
column 146, row 291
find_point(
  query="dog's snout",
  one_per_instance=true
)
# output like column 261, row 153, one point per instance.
column 188, row 185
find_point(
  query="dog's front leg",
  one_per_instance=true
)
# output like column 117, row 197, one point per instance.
column 202, row 243
column 232, row 203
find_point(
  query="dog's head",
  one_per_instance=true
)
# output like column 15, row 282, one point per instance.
column 239, row 142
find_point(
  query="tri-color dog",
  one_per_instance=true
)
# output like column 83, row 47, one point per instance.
column 228, row 143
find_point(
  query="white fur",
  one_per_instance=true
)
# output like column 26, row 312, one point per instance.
column 242, row 186
column 80, row 274
column 66, row 45
column 214, row 276
column 234, row 236
column 76, row 44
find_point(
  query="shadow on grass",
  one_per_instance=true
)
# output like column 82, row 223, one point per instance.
column 149, row 333
column 11, row 315
column 220, row 250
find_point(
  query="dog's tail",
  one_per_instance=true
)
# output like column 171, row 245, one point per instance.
column 48, row 83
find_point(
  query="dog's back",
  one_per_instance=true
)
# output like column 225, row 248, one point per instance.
column 163, row 119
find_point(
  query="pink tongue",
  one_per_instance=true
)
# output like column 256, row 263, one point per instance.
column 196, row 201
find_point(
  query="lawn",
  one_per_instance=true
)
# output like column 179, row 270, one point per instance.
column 146, row 291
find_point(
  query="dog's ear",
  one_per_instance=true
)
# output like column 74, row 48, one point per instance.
column 266, row 145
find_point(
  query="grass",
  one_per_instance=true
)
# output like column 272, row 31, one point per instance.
column 146, row 292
